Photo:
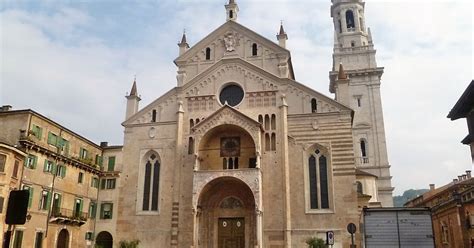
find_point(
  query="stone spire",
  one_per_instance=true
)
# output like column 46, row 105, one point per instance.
column 183, row 45
column 232, row 9
column 132, row 101
column 342, row 73
column 282, row 36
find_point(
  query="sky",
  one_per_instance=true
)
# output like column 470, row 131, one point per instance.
column 74, row 61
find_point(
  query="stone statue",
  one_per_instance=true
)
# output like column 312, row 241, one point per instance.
column 229, row 42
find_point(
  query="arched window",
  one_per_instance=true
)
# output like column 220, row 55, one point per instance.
column 190, row 145
column 153, row 115
column 363, row 148
column 350, row 19
column 267, row 122
column 260, row 119
column 273, row 122
column 318, row 180
column 254, row 49
column 267, row 142
column 359, row 187
column 151, row 182
column 197, row 121
column 314, row 106
column 353, row 43
column 273, row 140
column 224, row 163
column 208, row 53
column 191, row 123
column 231, row 14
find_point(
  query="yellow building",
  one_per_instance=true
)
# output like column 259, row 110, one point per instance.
column 62, row 171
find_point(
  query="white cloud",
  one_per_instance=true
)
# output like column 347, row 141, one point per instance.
column 75, row 65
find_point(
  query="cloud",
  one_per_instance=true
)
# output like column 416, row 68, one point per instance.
column 75, row 61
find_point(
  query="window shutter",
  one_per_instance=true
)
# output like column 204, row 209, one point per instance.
column 54, row 168
column 63, row 171
column 45, row 168
column 40, row 132
column 30, row 199
column 48, row 201
column 100, row 161
column 80, row 206
column 111, row 164
column 102, row 210
column 102, row 184
column 50, row 138
column 35, row 160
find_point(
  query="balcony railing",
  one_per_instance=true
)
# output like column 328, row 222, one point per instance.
column 68, row 216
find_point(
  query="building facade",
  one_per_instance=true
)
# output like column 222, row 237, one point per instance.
column 63, row 173
column 452, row 211
column 239, row 154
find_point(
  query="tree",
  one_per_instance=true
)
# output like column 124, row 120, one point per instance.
column 129, row 244
column 314, row 242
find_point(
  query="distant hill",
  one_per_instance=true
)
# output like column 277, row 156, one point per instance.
column 399, row 200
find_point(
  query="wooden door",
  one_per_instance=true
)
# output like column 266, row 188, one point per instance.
column 231, row 233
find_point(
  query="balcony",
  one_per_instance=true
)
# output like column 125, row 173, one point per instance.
column 68, row 217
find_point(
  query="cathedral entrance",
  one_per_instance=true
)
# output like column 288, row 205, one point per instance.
column 231, row 233
column 226, row 216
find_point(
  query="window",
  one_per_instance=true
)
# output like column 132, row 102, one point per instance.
column 39, row 240
column 16, row 166
column 31, row 161
column 48, row 166
column 267, row 142
column 231, row 14
column 1, row 204
column 254, row 49
column 273, row 142
column 95, row 182
column 52, row 139
column 273, row 122
column 153, row 115
column 56, row 204
column 92, row 209
column 232, row 95
column 359, row 102
column 30, row 198
column 363, row 148
column 3, row 160
column 350, row 19
column 89, row 236
column 111, row 164
column 106, row 210
column 82, row 153
column 318, row 180
column 353, row 44
column 107, row 183
column 36, row 131
column 359, row 187
column 45, row 200
column 314, row 106
column 78, row 208
column 208, row 53
column 18, row 239
column 61, row 171
column 63, row 144
column 191, row 123
column 80, row 177
column 191, row 145
column 151, row 183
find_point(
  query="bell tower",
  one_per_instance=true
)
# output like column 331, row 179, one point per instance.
column 354, row 49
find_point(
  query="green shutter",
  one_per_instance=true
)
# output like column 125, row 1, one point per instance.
column 45, row 168
column 111, row 165
column 48, row 200
column 63, row 171
column 102, row 184
column 40, row 132
column 80, row 206
column 111, row 210
column 66, row 148
column 30, row 198
column 100, row 161
column 50, row 138
column 54, row 168
column 35, row 161
column 102, row 210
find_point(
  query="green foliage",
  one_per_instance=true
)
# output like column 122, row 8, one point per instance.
column 314, row 242
column 399, row 200
column 129, row 244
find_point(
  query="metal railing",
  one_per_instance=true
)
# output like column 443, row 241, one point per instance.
column 69, row 214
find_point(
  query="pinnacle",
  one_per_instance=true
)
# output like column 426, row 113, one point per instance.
column 133, row 91
column 342, row 74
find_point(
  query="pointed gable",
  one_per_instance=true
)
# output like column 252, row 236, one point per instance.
column 235, row 40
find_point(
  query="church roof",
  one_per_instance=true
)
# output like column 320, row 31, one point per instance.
column 464, row 105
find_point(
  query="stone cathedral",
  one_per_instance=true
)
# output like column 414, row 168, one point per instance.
column 240, row 154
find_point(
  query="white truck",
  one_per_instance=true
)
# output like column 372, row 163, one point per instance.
column 397, row 228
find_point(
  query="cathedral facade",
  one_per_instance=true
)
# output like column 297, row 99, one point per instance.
column 239, row 154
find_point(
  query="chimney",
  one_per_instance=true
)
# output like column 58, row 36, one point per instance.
column 104, row 144
column 5, row 108
column 455, row 180
column 468, row 173
column 464, row 177
column 432, row 186
column 459, row 178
